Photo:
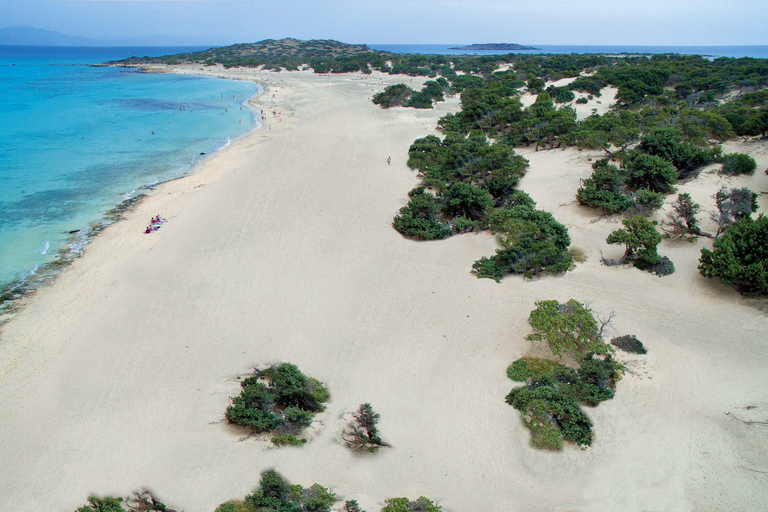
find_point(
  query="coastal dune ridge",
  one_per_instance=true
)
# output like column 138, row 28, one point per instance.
column 281, row 248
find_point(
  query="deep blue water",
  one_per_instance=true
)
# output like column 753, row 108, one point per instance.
column 709, row 51
column 76, row 140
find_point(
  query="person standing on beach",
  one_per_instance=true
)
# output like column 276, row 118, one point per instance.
column 389, row 160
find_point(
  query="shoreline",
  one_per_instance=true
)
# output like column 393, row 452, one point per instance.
column 14, row 292
column 280, row 248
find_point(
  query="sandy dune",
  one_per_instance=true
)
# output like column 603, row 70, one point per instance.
column 281, row 249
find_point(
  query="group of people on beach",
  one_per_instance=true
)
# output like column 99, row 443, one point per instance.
column 155, row 224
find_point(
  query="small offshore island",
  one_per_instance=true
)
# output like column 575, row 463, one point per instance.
column 633, row 178
column 494, row 47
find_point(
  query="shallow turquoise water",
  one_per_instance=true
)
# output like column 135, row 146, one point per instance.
column 76, row 140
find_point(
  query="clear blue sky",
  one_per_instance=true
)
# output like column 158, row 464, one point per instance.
column 630, row 22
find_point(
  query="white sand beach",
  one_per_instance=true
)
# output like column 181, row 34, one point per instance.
column 280, row 248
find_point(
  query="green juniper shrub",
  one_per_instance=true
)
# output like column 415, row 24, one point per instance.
column 650, row 171
column 732, row 205
column 470, row 201
column 551, row 417
column 568, row 328
column 582, row 101
column 351, row 506
column 597, row 379
column 287, row 440
column 394, row 96
column 531, row 241
column 361, row 433
column 549, row 401
column 106, row 504
column 738, row 163
column 421, row 504
column 629, row 343
column 649, row 199
column 740, row 255
column 421, row 217
column 668, row 144
column 561, row 94
column 275, row 494
column 528, row 367
column 605, row 188
column 285, row 406
column 462, row 224
column 663, row 267
column 640, row 238
column 682, row 219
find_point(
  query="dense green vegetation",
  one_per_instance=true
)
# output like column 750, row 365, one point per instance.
column 469, row 184
column 274, row 494
column 420, row 504
column 568, row 329
column 139, row 501
column 740, row 255
column 640, row 238
column 280, row 400
column 549, row 400
column 629, row 343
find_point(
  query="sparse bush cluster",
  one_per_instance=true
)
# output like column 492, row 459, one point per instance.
column 640, row 238
column 740, row 255
column 279, row 399
column 362, row 434
column 469, row 184
column 139, row 501
column 549, row 400
column 274, row 493
column 629, row 343
column 647, row 173
column 738, row 163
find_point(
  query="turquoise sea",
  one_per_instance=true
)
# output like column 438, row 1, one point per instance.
column 77, row 140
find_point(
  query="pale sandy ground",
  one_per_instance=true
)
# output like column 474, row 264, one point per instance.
column 281, row 249
column 597, row 105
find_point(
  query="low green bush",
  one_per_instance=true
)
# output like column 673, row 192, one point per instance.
column 650, row 199
column 663, row 267
column 551, row 416
column 568, row 328
column 605, row 188
column 275, row 494
column 527, row 367
column 278, row 399
column 421, row 504
column 629, row 343
column 738, row 163
column 582, row 101
column 740, row 255
column 288, row 440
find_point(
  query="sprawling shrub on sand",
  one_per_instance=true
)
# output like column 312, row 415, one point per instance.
column 421, row 504
column 640, row 238
column 141, row 500
column 606, row 188
column 738, row 163
column 394, row 96
column 531, row 242
column 740, row 255
column 549, row 400
column 361, row 433
column 629, row 343
column 568, row 329
column 275, row 494
column 279, row 399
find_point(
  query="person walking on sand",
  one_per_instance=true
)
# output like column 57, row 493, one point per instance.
column 389, row 160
